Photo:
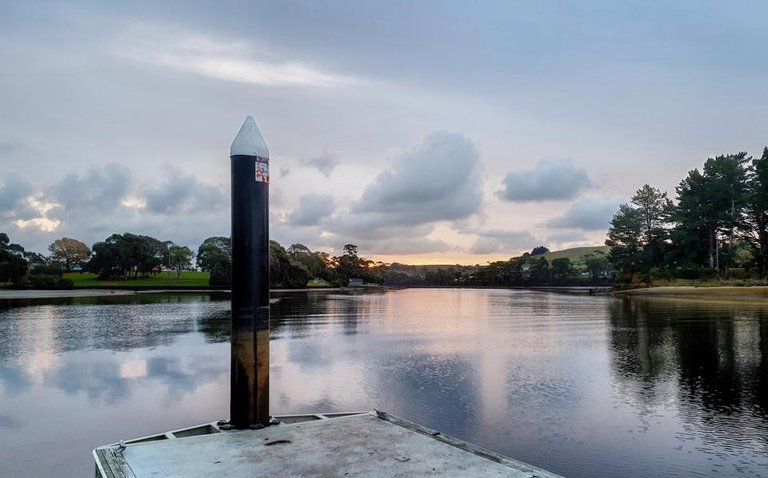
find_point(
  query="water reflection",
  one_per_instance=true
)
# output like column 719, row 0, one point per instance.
column 710, row 360
column 112, row 326
column 718, row 353
column 216, row 325
column 584, row 386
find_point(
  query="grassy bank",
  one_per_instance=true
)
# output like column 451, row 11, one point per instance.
column 163, row 279
column 694, row 283
column 720, row 293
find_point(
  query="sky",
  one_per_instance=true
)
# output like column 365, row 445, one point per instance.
column 423, row 132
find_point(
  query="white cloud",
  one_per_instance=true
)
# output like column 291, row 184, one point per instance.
column 42, row 223
column 203, row 55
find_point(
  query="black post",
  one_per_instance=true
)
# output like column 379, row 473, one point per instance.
column 249, row 400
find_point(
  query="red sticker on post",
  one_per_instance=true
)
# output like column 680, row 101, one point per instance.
column 262, row 169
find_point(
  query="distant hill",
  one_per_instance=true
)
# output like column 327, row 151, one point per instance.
column 576, row 254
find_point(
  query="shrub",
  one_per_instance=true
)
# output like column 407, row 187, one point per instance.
column 48, row 281
column 53, row 269
column 690, row 272
column 659, row 273
column 221, row 274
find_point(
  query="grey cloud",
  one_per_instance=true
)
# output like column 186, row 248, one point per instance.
column 9, row 147
column 13, row 190
column 362, row 230
column 100, row 188
column 402, row 245
column 550, row 179
column 276, row 197
column 310, row 236
column 325, row 163
column 183, row 193
column 591, row 213
column 372, row 226
column 312, row 208
column 397, row 241
column 495, row 241
column 90, row 207
column 561, row 237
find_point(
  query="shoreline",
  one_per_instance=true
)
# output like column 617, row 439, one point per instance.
column 16, row 294
column 61, row 294
column 750, row 293
column 736, row 293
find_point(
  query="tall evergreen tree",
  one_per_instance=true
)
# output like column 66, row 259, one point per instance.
column 638, row 234
column 624, row 239
column 709, row 209
column 754, row 220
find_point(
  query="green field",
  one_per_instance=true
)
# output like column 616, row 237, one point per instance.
column 163, row 279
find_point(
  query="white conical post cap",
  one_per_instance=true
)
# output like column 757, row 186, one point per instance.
column 249, row 141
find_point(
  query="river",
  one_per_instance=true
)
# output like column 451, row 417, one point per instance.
column 582, row 386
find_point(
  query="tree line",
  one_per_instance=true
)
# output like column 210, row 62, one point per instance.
column 293, row 267
column 118, row 257
column 135, row 256
column 718, row 224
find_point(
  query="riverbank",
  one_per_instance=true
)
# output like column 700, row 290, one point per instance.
column 754, row 293
column 55, row 294
column 759, row 293
column 188, row 279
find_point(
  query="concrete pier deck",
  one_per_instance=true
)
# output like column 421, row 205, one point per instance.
column 361, row 444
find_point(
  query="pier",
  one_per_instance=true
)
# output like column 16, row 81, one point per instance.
column 372, row 444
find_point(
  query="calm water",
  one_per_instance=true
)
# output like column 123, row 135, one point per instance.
column 582, row 386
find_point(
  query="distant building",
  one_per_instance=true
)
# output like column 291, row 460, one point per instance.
column 356, row 282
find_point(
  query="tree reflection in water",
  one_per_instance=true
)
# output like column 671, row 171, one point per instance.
column 711, row 358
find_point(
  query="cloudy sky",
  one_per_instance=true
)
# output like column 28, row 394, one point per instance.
column 421, row 131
